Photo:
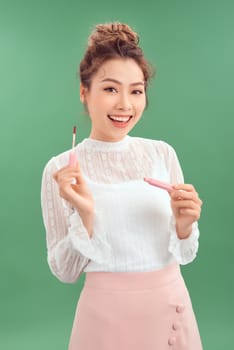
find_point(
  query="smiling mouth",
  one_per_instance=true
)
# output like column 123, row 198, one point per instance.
column 120, row 119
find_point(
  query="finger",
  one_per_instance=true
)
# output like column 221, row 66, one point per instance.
column 68, row 168
column 195, row 214
column 79, row 177
column 67, row 172
column 69, row 175
column 63, row 181
column 186, row 204
column 183, row 195
column 177, row 206
column 58, row 172
column 61, row 172
column 76, row 178
column 184, row 187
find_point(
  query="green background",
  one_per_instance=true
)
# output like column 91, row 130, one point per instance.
column 190, row 107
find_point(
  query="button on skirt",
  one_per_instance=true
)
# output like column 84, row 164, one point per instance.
column 135, row 311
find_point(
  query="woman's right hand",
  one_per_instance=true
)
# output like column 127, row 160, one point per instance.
column 73, row 188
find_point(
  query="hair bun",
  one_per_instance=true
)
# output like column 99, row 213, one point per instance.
column 109, row 41
column 113, row 32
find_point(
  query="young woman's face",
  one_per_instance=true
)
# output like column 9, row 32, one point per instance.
column 116, row 99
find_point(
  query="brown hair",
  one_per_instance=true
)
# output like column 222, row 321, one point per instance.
column 108, row 41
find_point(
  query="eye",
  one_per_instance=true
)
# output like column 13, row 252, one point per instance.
column 138, row 92
column 110, row 89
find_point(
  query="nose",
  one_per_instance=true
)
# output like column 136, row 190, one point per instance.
column 124, row 102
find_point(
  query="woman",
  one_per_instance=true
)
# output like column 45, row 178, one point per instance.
column 127, row 236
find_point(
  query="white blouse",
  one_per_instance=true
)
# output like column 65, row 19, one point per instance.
column 134, row 227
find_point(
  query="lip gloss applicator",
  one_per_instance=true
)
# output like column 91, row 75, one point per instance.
column 72, row 155
column 160, row 184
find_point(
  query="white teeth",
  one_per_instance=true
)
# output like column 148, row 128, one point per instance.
column 120, row 119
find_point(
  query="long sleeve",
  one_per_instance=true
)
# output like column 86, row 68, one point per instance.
column 69, row 247
column 134, row 228
column 184, row 250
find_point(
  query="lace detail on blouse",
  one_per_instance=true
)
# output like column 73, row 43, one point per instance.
column 118, row 162
column 115, row 171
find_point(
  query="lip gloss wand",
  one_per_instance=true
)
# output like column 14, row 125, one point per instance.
column 72, row 155
column 160, row 184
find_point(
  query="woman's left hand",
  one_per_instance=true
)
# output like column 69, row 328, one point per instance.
column 186, row 207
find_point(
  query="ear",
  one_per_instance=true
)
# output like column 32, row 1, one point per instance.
column 82, row 93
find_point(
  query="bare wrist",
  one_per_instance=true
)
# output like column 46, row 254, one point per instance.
column 87, row 219
column 183, row 233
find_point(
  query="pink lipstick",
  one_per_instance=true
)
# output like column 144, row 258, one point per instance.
column 160, row 184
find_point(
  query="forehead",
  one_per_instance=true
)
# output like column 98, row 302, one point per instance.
column 124, row 70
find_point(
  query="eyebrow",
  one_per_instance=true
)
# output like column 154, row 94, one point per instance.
column 119, row 83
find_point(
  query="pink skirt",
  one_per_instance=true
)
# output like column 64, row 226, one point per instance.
column 135, row 311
